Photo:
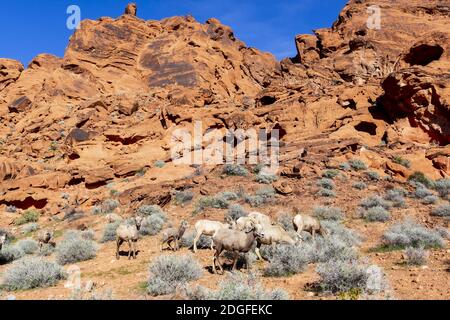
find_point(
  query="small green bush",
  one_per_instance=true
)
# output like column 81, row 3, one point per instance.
column 357, row 164
column 409, row 233
column 401, row 161
column 330, row 174
column 235, row 211
column 234, row 170
column 159, row 163
column 326, row 183
column 359, row 185
column 73, row 248
column 441, row 211
column 420, row 177
column 326, row 193
column 372, row 175
column 28, row 246
column 378, row 213
column 328, row 213
column 28, row 217
column 109, row 233
column 416, row 256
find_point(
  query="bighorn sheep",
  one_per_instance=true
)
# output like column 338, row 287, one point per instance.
column 113, row 217
column 170, row 235
column 129, row 233
column 309, row 224
column 235, row 241
column 260, row 218
column 209, row 228
column 46, row 237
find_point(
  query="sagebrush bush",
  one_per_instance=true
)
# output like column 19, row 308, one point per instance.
column 372, row 175
column 148, row 210
column 28, row 246
column 46, row 249
column 339, row 276
column 422, row 192
column 228, row 195
column 374, row 201
column 441, row 211
column 109, row 205
column 167, row 272
column 442, row 186
column 9, row 253
column 11, row 209
column 30, row 227
column 345, row 166
column 378, row 213
column 187, row 241
column 241, row 287
column 285, row 220
column 261, row 197
column 396, row 196
column 183, row 197
column 258, row 168
column 359, row 185
column 326, row 193
column 330, row 247
column 151, row 225
column 159, row 164
column 420, row 177
column 235, row 211
column 73, row 248
column 404, row 162
column 217, row 202
column 27, row 217
column 330, row 173
column 328, row 213
column 234, row 170
column 286, row 260
column 357, row 164
column 109, row 233
column 410, row 233
column 266, row 178
column 32, row 272
column 416, row 256
column 326, row 183
column 347, row 236
column 430, row 199
column 443, row 232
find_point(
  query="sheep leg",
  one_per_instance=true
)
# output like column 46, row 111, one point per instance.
column 217, row 260
column 313, row 233
column 247, row 262
column 197, row 236
column 134, row 249
column 118, row 244
column 161, row 245
column 177, row 246
column 236, row 256
column 258, row 253
column 129, row 249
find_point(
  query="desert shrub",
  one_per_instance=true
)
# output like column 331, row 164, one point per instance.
column 234, row 170
column 339, row 231
column 159, row 164
column 73, row 248
column 326, row 183
column 328, row 213
column 359, row 185
column 27, row 217
column 32, row 272
column 372, row 175
column 169, row 272
column 420, row 177
column 345, row 166
column 11, row 209
column 28, row 246
column 376, row 214
column 422, row 192
column 328, row 248
column 374, row 201
column 357, row 164
column 326, row 193
column 258, row 168
column 265, row 178
column 83, row 294
column 241, row 287
column 95, row 210
column 261, row 197
column 30, row 227
column 340, row 276
column 218, row 202
column 330, row 173
column 149, row 210
column 10, row 253
column 88, row 234
column 404, row 162
column 187, row 241
column 416, row 256
column 286, row 260
column 228, row 195
column 285, row 220
column 183, row 197
column 46, row 249
column 409, row 233
column 432, row 199
column 441, row 211
column 235, row 211
column 109, row 233
column 109, row 205
column 443, row 232
column 396, row 197
column 151, row 225
column 442, row 186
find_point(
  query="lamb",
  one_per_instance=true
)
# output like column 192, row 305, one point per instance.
column 235, row 241
column 129, row 233
column 272, row 234
column 113, row 217
column 209, row 228
column 170, row 235
column 309, row 224
column 46, row 237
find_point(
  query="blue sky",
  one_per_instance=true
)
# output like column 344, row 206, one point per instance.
column 30, row 27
